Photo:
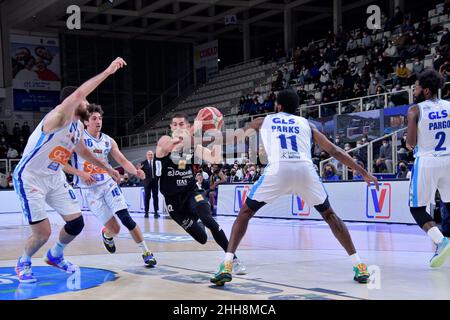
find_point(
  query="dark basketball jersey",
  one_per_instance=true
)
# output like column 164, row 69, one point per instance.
column 177, row 174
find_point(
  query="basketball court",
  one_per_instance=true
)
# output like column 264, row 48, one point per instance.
column 285, row 259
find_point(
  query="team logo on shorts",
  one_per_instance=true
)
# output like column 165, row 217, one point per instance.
column 299, row 207
column 240, row 195
column 378, row 203
column 198, row 198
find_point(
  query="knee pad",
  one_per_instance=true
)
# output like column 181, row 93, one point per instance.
column 420, row 215
column 324, row 206
column 126, row 220
column 74, row 226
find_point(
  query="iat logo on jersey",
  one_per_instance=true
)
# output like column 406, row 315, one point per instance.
column 436, row 115
column 240, row 195
column 378, row 203
column 299, row 207
column 283, row 121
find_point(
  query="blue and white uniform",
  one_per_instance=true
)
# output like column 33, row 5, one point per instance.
column 39, row 179
column 287, row 141
column 432, row 153
column 104, row 198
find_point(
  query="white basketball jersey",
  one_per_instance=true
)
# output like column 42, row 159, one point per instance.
column 100, row 148
column 47, row 154
column 433, row 129
column 286, row 137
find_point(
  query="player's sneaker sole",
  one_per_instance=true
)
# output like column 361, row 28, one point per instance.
column 221, row 279
column 438, row 261
column 109, row 247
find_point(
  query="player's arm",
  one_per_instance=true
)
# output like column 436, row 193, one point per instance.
column 87, row 178
column 89, row 156
column 124, row 162
column 255, row 124
column 63, row 113
column 413, row 118
column 340, row 155
column 165, row 146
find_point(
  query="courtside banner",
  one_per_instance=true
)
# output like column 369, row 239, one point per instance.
column 352, row 201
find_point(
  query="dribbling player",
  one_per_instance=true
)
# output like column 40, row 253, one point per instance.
column 39, row 178
column 103, row 196
column 287, row 140
column 186, row 204
column 429, row 136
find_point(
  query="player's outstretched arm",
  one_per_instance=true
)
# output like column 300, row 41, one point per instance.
column 413, row 117
column 255, row 124
column 124, row 162
column 165, row 146
column 89, row 156
column 341, row 155
column 87, row 178
column 63, row 113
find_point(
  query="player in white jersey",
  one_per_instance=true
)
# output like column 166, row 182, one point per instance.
column 429, row 136
column 40, row 180
column 287, row 140
column 102, row 194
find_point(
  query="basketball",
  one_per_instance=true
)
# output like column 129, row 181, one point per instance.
column 212, row 118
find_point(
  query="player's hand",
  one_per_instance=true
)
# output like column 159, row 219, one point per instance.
column 114, row 174
column 370, row 179
column 88, row 178
column 115, row 65
column 140, row 174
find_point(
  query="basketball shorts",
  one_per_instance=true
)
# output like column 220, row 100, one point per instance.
column 182, row 208
column 35, row 192
column 284, row 178
column 428, row 175
column 104, row 200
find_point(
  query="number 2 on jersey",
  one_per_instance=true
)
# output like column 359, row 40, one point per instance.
column 283, row 140
column 441, row 137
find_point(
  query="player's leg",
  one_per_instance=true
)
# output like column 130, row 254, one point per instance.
column 267, row 189
column 425, row 180
column 116, row 203
column 32, row 198
column 110, row 230
column 316, row 195
column 62, row 198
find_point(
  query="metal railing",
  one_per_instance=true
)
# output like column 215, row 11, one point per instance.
column 370, row 153
column 227, row 68
column 366, row 103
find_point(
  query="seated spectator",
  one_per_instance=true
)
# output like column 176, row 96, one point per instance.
column 25, row 130
column 380, row 166
column 233, row 178
column 386, row 154
column 403, row 171
column 367, row 41
column 124, row 181
column 16, row 131
column 402, row 74
column 3, row 148
column 242, row 106
column 12, row 153
column 304, row 76
column 391, row 52
column 329, row 173
column 418, row 68
column 355, row 174
column 3, row 129
column 202, row 184
column 217, row 177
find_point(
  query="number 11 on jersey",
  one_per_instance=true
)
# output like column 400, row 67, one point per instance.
column 283, row 140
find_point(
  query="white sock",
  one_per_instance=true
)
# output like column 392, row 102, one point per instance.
column 25, row 257
column 436, row 235
column 229, row 256
column 355, row 259
column 143, row 247
column 58, row 249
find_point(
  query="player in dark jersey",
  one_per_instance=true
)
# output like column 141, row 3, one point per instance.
column 186, row 203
